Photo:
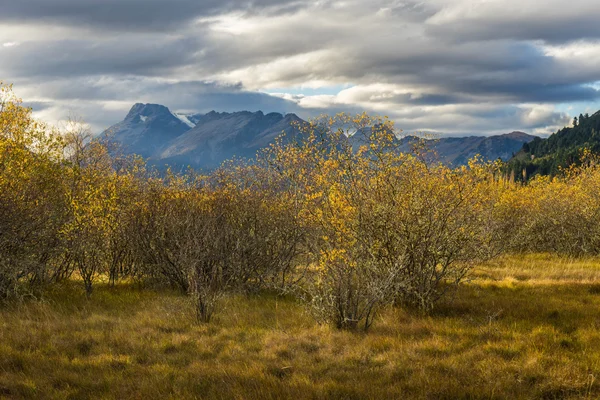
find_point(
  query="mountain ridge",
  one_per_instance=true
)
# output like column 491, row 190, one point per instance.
column 206, row 140
column 458, row 151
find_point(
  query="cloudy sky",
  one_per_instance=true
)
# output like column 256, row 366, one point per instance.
column 447, row 66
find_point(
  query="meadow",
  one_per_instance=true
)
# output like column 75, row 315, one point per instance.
column 519, row 327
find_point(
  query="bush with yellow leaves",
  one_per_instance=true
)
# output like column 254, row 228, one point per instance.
column 384, row 226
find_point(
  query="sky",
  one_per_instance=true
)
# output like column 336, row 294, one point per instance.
column 449, row 67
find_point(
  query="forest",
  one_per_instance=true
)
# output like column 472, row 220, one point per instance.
column 559, row 151
column 347, row 241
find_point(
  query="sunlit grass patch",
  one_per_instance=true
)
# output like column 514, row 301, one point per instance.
column 540, row 268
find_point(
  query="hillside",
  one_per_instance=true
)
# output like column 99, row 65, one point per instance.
column 561, row 149
column 217, row 137
column 459, row 150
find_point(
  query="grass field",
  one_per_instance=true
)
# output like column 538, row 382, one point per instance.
column 526, row 327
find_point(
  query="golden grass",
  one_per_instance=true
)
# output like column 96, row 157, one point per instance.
column 524, row 327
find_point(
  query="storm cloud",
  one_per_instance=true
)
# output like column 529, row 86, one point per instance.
column 132, row 15
column 449, row 66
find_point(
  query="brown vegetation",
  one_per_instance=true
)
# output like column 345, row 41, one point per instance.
column 523, row 328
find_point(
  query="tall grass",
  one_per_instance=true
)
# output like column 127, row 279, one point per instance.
column 524, row 327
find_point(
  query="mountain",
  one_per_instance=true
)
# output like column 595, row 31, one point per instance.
column 206, row 140
column 198, row 140
column 459, row 150
column 559, row 150
column 220, row 136
column 147, row 129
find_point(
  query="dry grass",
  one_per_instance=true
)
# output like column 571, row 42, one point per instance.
column 525, row 327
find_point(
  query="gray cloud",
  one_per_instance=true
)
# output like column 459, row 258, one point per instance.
column 132, row 15
column 37, row 106
column 449, row 66
column 124, row 56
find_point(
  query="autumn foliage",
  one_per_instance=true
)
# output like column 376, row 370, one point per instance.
column 334, row 215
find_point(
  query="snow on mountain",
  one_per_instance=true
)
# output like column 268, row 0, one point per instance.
column 184, row 118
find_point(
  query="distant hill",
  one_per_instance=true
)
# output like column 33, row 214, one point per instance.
column 206, row 140
column 457, row 151
column 561, row 149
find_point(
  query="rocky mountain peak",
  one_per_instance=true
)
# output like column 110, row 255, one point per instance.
column 146, row 110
